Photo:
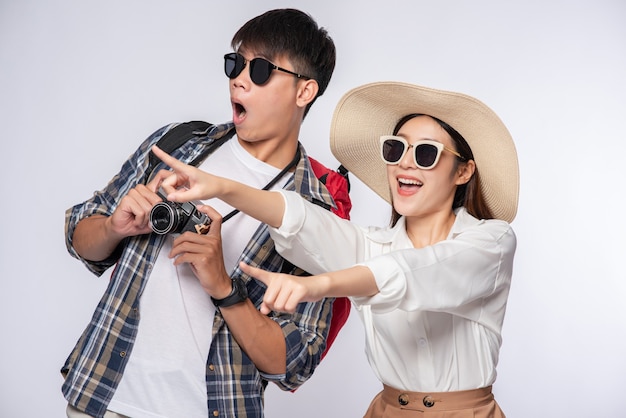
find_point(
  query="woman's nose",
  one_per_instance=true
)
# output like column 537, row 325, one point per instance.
column 407, row 160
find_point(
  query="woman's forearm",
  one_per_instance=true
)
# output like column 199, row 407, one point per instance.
column 284, row 292
column 355, row 281
column 189, row 183
column 265, row 206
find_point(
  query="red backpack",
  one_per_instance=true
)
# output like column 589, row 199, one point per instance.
column 337, row 183
column 338, row 186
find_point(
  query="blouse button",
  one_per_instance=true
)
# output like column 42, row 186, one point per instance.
column 422, row 342
column 216, row 413
column 211, row 367
column 428, row 401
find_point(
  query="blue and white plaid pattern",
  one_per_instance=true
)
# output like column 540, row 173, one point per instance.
column 234, row 385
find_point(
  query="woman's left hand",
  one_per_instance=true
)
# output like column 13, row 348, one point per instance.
column 284, row 291
column 187, row 183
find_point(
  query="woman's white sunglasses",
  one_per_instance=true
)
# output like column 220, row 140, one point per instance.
column 426, row 153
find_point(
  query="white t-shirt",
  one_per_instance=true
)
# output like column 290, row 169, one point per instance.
column 165, row 374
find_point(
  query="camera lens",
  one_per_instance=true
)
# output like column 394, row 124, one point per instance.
column 163, row 218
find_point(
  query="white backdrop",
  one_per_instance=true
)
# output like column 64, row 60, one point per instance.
column 83, row 82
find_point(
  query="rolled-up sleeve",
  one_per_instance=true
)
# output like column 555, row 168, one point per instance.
column 305, row 340
column 105, row 201
column 315, row 241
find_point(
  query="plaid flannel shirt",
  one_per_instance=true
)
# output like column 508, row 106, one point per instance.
column 234, row 385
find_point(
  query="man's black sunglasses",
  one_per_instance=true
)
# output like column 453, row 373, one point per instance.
column 260, row 69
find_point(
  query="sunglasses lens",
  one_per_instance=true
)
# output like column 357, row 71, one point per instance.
column 260, row 71
column 426, row 155
column 233, row 65
column 393, row 150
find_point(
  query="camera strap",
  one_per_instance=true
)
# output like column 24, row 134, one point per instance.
column 272, row 182
column 183, row 132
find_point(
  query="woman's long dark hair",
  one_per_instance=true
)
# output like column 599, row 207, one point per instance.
column 469, row 194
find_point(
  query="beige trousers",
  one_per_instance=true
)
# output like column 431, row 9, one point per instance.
column 393, row 403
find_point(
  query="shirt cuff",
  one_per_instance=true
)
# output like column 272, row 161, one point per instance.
column 292, row 223
column 391, row 283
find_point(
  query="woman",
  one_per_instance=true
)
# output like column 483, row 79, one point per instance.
column 432, row 288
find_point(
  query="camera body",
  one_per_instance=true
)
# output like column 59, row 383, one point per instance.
column 168, row 217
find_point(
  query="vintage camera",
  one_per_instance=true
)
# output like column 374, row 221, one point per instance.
column 171, row 217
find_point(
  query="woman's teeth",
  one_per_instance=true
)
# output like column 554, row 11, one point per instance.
column 409, row 182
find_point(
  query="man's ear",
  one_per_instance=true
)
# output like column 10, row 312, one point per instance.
column 464, row 172
column 307, row 91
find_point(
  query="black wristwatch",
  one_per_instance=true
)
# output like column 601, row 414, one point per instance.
column 237, row 295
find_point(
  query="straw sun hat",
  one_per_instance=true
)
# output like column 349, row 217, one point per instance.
column 369, row 111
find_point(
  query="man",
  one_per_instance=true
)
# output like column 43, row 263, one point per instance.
column 184, row 337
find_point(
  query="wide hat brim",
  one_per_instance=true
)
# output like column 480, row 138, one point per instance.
column 365, row 113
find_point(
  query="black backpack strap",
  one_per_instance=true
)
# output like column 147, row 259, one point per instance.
column 176, row 137
column 344, row 172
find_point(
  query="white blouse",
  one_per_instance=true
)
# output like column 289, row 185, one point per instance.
column 435, row 325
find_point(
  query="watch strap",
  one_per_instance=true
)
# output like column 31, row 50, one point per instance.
column 237, row 295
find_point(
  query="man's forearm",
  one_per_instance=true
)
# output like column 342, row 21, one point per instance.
column 261, row 338
column 93, row 240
